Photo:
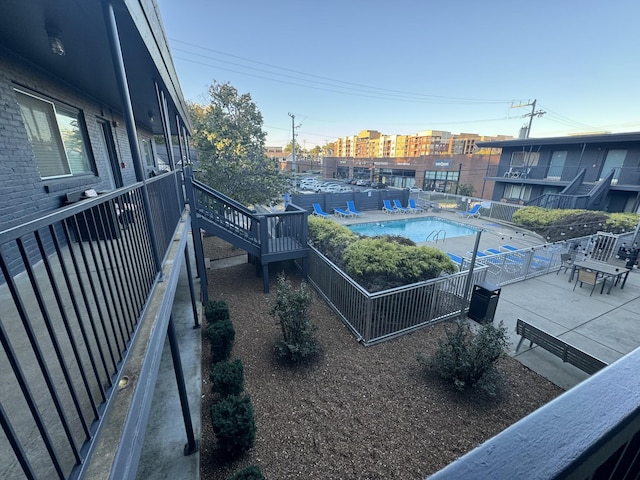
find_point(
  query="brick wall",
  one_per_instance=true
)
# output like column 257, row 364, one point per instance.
column 23, row 194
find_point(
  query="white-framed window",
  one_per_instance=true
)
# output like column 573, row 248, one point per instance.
column 520, row 192
column 524, row 159
column 57, row 134
column 147, row 152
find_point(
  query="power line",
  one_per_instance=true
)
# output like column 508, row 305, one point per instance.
column 376, row 90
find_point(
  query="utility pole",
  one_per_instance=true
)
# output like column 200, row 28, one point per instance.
column 293, row 142
column 539, row 113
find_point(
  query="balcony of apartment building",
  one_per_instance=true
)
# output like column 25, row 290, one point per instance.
column 623, row 177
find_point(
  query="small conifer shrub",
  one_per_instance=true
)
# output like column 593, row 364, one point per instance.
column 221, row 335
column 234, row 425
column 216, row 310
column 227, row 378
column 250, row 473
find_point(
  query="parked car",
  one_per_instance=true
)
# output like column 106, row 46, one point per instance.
column 378, row 185
column 415, row 189
column 323, row 187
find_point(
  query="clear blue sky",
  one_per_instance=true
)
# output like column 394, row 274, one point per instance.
column 410, row 65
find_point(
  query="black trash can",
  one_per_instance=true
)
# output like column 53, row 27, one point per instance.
column 484, row 300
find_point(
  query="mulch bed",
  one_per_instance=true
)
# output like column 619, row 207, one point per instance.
column 357, row 412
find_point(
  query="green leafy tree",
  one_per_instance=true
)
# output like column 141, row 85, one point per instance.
column 287, row 148
column 230, row 141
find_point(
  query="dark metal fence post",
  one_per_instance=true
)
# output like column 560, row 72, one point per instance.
column 192, row 445
column 195, row 229
column 123, row 87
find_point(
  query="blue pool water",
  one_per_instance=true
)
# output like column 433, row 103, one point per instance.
column 416, row 229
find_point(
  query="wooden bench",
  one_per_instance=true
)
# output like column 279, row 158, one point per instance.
column 559, row 348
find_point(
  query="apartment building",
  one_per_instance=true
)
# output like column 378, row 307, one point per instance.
column 597, row 172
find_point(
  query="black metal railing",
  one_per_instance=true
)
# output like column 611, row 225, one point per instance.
column 74, row 286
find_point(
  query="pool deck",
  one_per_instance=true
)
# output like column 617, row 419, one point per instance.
column 493, row 234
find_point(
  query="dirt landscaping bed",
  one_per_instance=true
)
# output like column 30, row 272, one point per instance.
column 358, row 412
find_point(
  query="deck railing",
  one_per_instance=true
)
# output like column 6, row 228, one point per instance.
column 267, row 237
column 375, row 317
column 75, row 284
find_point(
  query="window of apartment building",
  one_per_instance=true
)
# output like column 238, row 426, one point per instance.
column 147, row 152
column 520, row 192
column 614, row 160
column 556, row 165
column 58, row 136
column 524, row 159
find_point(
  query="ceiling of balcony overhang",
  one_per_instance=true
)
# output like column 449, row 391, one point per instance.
column 87, row 64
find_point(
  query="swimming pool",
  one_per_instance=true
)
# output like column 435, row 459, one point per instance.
column 416, row 229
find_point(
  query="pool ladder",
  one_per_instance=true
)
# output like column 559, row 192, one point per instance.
column 436, row 236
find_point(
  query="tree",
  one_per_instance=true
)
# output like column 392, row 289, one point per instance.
column 230, row 141
column 287, row 148
column 466, row 189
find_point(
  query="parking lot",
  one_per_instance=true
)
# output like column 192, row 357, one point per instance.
column 325, row 185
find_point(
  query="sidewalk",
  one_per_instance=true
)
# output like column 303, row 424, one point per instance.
column 165, row 437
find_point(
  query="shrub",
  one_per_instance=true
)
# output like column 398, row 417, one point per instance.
column 292, row 307
column 250, row 473
column 221, row 337
column 234, row 425
column 216, row 310
column 378, row 264
column 469, row 360
column 330, row 238
column 227, row 378
column 557, row 224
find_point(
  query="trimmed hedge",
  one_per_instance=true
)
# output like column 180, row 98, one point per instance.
column 377, row 263
column 557, row 224
column 216, row 310
column 250, row 473
column 227, row 378
column 221, row 335
column 234, row 425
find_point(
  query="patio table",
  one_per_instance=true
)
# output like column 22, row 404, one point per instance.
column 615, row 273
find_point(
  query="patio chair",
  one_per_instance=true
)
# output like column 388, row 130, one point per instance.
column 388, row 208
column 413, row 207
column 342, row 213
column 398, row 205
column 455, row 259
column 351, row 207
column 590, row 278
column 473, row 213
column 566, row 262
column 317, row 210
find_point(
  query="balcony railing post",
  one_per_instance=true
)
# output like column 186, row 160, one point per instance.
column 123, row 87
column 192, row 444
column 195, row 229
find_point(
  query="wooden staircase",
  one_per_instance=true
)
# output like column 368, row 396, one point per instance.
column 267, row 238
